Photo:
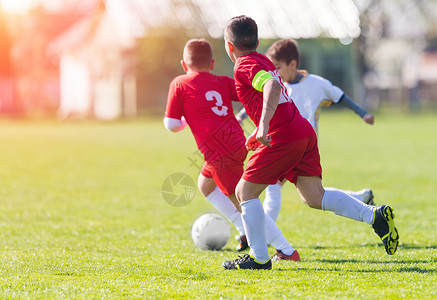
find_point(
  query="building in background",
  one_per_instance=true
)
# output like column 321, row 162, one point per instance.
column 95, row 69
column 36, row 88
column 115, row 58
column 97, row 54
column 7, row 78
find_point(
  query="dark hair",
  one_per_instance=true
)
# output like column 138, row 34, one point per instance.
column 198, row 53
column 242, row 31
column 284, row 50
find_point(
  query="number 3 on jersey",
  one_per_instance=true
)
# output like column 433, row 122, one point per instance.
column 219, row 109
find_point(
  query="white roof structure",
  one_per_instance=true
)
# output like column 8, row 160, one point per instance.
column 275, row 18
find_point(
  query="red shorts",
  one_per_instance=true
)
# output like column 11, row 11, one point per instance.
column 284, row 161
column 226, row 171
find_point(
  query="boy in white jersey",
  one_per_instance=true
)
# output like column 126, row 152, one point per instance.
column 310, row 93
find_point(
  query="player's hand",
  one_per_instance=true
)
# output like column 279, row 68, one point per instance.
column 262, row 136
column 369, row 119
column 252, row 143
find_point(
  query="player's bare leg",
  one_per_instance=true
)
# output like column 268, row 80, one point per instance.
column 315, row 196
column 206, row 185
column 310, row 190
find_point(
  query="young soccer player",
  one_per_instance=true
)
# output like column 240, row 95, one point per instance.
column 310, row 93
column 204, row 102
column 285, row 148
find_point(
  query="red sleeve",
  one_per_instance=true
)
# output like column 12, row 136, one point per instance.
column 175, row 108
column 247, row 71
column 230, row 83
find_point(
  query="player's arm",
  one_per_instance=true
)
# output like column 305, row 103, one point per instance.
column 241, row 116
column 251, row 142
column 349, row 103
column 271, row 94
column 174, row 125
column 174, row 119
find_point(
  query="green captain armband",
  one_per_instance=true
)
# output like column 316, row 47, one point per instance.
column 260, row 79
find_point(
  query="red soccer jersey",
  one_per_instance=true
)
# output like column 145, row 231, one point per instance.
column 286, row 124
column 205, row 100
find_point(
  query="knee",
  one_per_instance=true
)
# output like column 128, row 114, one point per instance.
column 311, row 191
column 239, row 193
column 313, row 204
column 206, row 190
column 314, row 200
column 206, row 187
column 245, row 191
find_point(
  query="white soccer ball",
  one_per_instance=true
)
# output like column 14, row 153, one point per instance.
column 210, row 232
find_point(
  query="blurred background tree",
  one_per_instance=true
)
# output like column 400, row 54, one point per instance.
column 395, row 37
column 158, row 63
column 388, row 56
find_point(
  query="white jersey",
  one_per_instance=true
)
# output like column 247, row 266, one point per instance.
column 311, row 93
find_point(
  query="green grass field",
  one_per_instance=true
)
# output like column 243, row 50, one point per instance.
column 82, row 215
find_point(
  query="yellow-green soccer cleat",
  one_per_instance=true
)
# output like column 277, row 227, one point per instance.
column 246, row 261
column 384, row 227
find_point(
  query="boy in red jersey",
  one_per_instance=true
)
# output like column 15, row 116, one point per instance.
column 310, row 93
column 285, row 147
column 205, row 101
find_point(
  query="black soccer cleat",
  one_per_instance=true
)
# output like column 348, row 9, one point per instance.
column 243, row 245
column 384, row 227
column 246, row 261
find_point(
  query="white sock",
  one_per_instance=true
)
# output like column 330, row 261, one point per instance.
column 275, row 237
column 272, row 202
column 358, row 195
column 225, row 206
column 347, row 206
column 254, row 224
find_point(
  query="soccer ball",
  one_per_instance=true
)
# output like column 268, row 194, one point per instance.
column 210, row 232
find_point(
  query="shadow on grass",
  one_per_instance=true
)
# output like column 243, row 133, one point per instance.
column 400, row 270
column 409, row 269
column 363, row 261
column 416, row 247
column 401, row 246
column 234, row 251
